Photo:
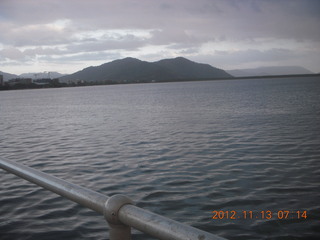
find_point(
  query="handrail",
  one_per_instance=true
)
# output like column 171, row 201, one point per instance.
column 118, row 210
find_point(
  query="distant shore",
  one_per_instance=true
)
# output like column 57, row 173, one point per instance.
column 79, row 84
column 279, row 76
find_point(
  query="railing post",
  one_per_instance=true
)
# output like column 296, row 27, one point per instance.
column 118, row 231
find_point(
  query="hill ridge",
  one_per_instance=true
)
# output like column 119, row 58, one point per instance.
column 135, row 70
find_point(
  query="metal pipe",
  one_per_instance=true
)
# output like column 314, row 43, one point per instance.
column 118, row 209
column 161, row 227
column 83, row 196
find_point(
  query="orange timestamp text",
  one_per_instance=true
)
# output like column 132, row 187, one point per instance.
column 264, row 214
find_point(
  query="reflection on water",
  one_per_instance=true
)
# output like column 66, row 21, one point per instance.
column 181, row 150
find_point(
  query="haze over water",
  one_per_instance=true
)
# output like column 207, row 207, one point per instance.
column 181, row 150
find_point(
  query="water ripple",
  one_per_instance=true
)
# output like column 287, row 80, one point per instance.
column 227, row 149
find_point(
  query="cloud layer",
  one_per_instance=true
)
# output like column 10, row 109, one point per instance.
column 68, row 35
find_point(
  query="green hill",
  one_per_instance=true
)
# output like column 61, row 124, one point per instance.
column 134, row 70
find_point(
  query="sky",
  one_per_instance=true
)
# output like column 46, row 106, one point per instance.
column 69, row 35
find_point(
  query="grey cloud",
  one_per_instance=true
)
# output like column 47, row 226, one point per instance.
column 179, row 38
column 234, row 19
column 168, row 36
column 42, row 51
column 11, row 53
column 188, row 51
column 105, row 45
column 256, row 58
column 254, row 55
column 80, row 57
column 34, row 35
column 180, row 26
column 268, row 55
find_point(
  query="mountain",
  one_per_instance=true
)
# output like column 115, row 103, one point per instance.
column 267, row 71
column 41, row 75
column 124, row 70
column 135, row 70
column 183, row 68
column 7, row 76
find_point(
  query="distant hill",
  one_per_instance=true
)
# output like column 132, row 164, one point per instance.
column 135, row 70
column 267, row 71
column 184, row 69
column 37, row 75
column 7, row 76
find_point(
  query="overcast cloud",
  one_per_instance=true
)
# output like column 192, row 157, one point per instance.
column 68, row 35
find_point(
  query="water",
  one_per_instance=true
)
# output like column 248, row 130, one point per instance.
column 181, row 150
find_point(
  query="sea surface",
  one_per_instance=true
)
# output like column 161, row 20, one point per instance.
column 182, row 150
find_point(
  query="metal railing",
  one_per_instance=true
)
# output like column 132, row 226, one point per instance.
column 118, row 210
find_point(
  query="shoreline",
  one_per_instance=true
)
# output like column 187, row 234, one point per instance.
column 82, row 84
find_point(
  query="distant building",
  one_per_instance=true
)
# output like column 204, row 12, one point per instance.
column 42, row 81
column 1, row 80
column 22, row 81
column 46, row 81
